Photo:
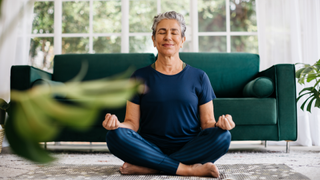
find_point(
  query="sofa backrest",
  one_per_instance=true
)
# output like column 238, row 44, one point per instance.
column 228, row 72
column 67, row 66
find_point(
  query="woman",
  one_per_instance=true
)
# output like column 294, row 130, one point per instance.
column 178, row 132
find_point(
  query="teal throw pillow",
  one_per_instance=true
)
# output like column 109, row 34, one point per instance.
column 260, row 87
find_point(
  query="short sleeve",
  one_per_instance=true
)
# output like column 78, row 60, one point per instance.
column 206, row 93
column 136, row 98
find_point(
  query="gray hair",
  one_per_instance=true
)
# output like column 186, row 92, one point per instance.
column 169, row 15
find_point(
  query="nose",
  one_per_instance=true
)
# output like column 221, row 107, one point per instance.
column 168, row 36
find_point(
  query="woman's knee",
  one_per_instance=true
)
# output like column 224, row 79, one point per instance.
column 227, row 137
column 116, row 136
column 223, row 136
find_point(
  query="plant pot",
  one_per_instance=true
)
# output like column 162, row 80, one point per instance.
column 1, row 138
column 2, row 116
column 2, row 119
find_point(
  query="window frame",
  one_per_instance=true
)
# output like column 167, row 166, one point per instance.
column 194, row 33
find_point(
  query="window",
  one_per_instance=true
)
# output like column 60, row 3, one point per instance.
column 115, row 26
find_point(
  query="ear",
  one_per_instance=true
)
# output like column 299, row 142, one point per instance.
column 154, row 41
column 182, row 41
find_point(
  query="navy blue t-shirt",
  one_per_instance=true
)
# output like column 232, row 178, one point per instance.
column 170, row 106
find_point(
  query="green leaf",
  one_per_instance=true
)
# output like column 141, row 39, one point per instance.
column 303, row 95
column 317, row 63
column 306, row 89
column 310, row 104
column 311, row 77
column 307, row 69
column 301, row 81
column 25, row 148
column 75, row 116
column 304, row 103
column 298, row 72
column 111, row 100
column 315, row 85
column 32, row 124
column 36, row 116
column 3, row 104
column 317, row 104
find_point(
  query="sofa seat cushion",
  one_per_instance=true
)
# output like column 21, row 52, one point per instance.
column 247, row 111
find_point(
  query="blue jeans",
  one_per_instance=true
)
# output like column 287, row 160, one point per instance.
column 208, row 146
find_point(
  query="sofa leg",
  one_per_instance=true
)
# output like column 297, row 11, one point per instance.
column 265, row 144
column 287, row 147
column 45, row 145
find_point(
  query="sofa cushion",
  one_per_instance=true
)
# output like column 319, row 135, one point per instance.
column 67, row 66
column 247, row 111
column 255, row 132
column 260, row 87
column 228, row 72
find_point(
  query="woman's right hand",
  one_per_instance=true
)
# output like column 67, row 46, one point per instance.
column 111, row 122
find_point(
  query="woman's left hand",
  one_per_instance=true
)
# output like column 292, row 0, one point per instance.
column 225, row 122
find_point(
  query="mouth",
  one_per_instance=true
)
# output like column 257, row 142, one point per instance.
column 167, row 45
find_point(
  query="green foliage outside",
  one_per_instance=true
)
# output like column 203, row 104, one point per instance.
column 75, row 17
column 213, row 44
column 43, row 23
column 107, row 16
column 244, row 44
column 107, row 19
column 141, row 13
column 111, row 44
column 243, row 15
column 243, row 18
column 212, row 15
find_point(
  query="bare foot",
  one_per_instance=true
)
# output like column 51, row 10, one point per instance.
column 130, row 169
column 203, row 170
column 207, row 169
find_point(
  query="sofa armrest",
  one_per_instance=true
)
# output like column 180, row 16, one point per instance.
column 283, row 77
column 23, row 77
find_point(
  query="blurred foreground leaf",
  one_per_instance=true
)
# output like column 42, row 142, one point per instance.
column 25, row 148
column 36, row 116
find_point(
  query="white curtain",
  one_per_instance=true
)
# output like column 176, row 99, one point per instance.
column 14, row 49
column 289, row 32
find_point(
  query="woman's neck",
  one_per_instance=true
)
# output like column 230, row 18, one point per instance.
column 169, row 65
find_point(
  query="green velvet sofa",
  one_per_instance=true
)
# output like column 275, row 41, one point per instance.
column 263, row 104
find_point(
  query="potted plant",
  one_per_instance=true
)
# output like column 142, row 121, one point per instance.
column 309, row 75
column 3, row 109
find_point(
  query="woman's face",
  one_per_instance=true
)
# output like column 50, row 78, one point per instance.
column 168, row 39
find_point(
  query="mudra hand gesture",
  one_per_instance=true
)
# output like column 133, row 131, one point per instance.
column 225, row 122
column 111, row 122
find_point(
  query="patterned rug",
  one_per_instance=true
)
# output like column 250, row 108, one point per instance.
column 111, row 172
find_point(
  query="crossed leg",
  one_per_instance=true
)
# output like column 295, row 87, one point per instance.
column 196, row 158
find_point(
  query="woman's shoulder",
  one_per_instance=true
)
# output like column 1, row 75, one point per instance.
column 195, row 71
column 142, row 71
